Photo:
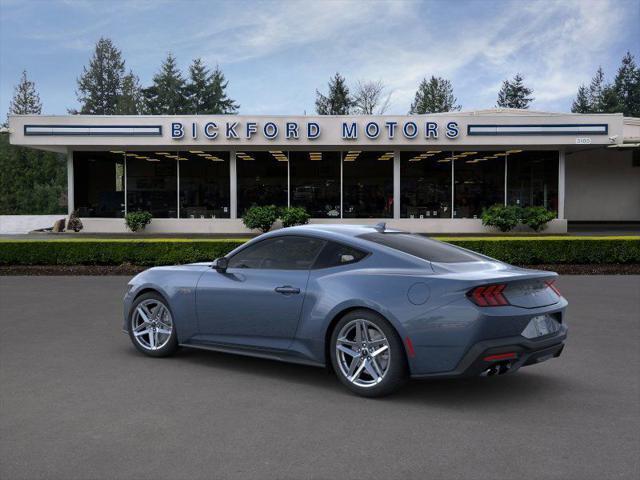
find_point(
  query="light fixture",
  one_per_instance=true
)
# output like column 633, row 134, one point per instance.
column 131, row 154
column 152, row 160
column 434, row 151
column 514, row 151
column 196, row 151
column 162, row 153
column 141, row 157
column 116, row 151
column 444, row 160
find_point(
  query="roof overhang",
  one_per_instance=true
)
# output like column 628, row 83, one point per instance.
column 229, row 132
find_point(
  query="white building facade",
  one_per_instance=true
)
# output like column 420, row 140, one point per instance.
column 422, row 173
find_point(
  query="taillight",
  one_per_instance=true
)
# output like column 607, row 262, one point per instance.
column 488, row 296
column 552, row 285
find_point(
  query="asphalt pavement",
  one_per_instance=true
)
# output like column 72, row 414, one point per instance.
column 77, row 401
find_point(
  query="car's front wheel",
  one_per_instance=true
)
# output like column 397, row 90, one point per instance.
column 367, row 354
column 151, row 326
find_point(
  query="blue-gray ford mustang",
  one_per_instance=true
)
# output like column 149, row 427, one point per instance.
column 376, row 305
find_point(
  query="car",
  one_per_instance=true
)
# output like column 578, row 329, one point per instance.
column 375, row 305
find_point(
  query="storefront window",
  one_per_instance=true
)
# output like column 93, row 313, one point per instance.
column 532, row 178
column 425, row 184
column 367, row 184
column 478, row 182
column 262, row 179
column 204, row 184
column 99, row 184
column 315, row 182
column 152, row 183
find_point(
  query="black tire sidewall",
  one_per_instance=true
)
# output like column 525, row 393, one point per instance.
column 172, row 344
column 395, row 377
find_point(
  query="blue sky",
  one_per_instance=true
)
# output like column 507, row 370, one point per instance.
column 276, row 53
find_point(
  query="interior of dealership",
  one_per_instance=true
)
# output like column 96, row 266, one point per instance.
column 328, row 184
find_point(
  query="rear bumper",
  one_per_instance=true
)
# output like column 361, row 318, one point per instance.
column 527, row 352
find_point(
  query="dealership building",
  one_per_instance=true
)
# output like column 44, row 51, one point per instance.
column 424, row 173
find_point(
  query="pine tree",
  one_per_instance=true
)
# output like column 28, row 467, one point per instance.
column 167, row 95
column 433, row 96
column 338, row 100
column 130, row 101
column 196, row 89
column 219, row 103
column 25, row 99
column 99, row 86
column 627, row 86
column 514, row 94
column 596, row 91
column 206, row 91
column 31, row 181
column 581, row 104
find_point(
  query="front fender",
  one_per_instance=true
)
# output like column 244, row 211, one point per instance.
column 177, row 287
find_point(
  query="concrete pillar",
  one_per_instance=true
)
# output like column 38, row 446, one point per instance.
column 561, row 182
column 396, row 184
column 233, row 185
column 70, row 185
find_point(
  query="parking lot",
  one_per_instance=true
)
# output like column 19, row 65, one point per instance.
column 78, row 402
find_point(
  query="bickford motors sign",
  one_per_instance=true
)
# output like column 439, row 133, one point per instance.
column 294, row 130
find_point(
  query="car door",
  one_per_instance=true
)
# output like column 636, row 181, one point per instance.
column 258, row 300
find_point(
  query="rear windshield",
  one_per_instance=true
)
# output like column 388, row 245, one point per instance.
column 421, row 247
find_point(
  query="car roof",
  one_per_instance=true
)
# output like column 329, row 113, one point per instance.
column 342, row 229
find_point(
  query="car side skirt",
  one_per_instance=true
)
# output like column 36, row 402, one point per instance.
column 270, row 354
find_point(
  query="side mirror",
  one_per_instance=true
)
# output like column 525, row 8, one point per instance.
column 221, row 264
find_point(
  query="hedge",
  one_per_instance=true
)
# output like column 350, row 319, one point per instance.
column 147, row 252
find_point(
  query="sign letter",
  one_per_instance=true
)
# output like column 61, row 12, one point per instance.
column 210, row 130
column 313, row 130
column 177, row 130
column 349, row 132
column 452, row 130
column 292, row 130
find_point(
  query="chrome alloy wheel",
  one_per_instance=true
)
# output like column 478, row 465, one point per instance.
column 151, row 324
column 363, row 353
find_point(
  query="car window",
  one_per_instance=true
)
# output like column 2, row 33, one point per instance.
column 334, row 254
column 281, row 253
column 422, row 247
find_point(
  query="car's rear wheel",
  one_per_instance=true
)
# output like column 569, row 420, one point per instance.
column 151, row 326
column 367, row 354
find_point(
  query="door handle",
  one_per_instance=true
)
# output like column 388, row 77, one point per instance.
column 287, row 290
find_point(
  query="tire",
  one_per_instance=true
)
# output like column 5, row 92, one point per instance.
column 356, row 338
column 150, row 337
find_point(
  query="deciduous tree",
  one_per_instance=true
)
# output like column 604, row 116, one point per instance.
column 371, row 98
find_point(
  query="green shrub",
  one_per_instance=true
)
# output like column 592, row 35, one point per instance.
column 137, row 220
column 261, row 218
column 537, row 217
column 113, row 251
column 74, row 223
column 294, row 216
column 516, row 250
column 503, row 217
